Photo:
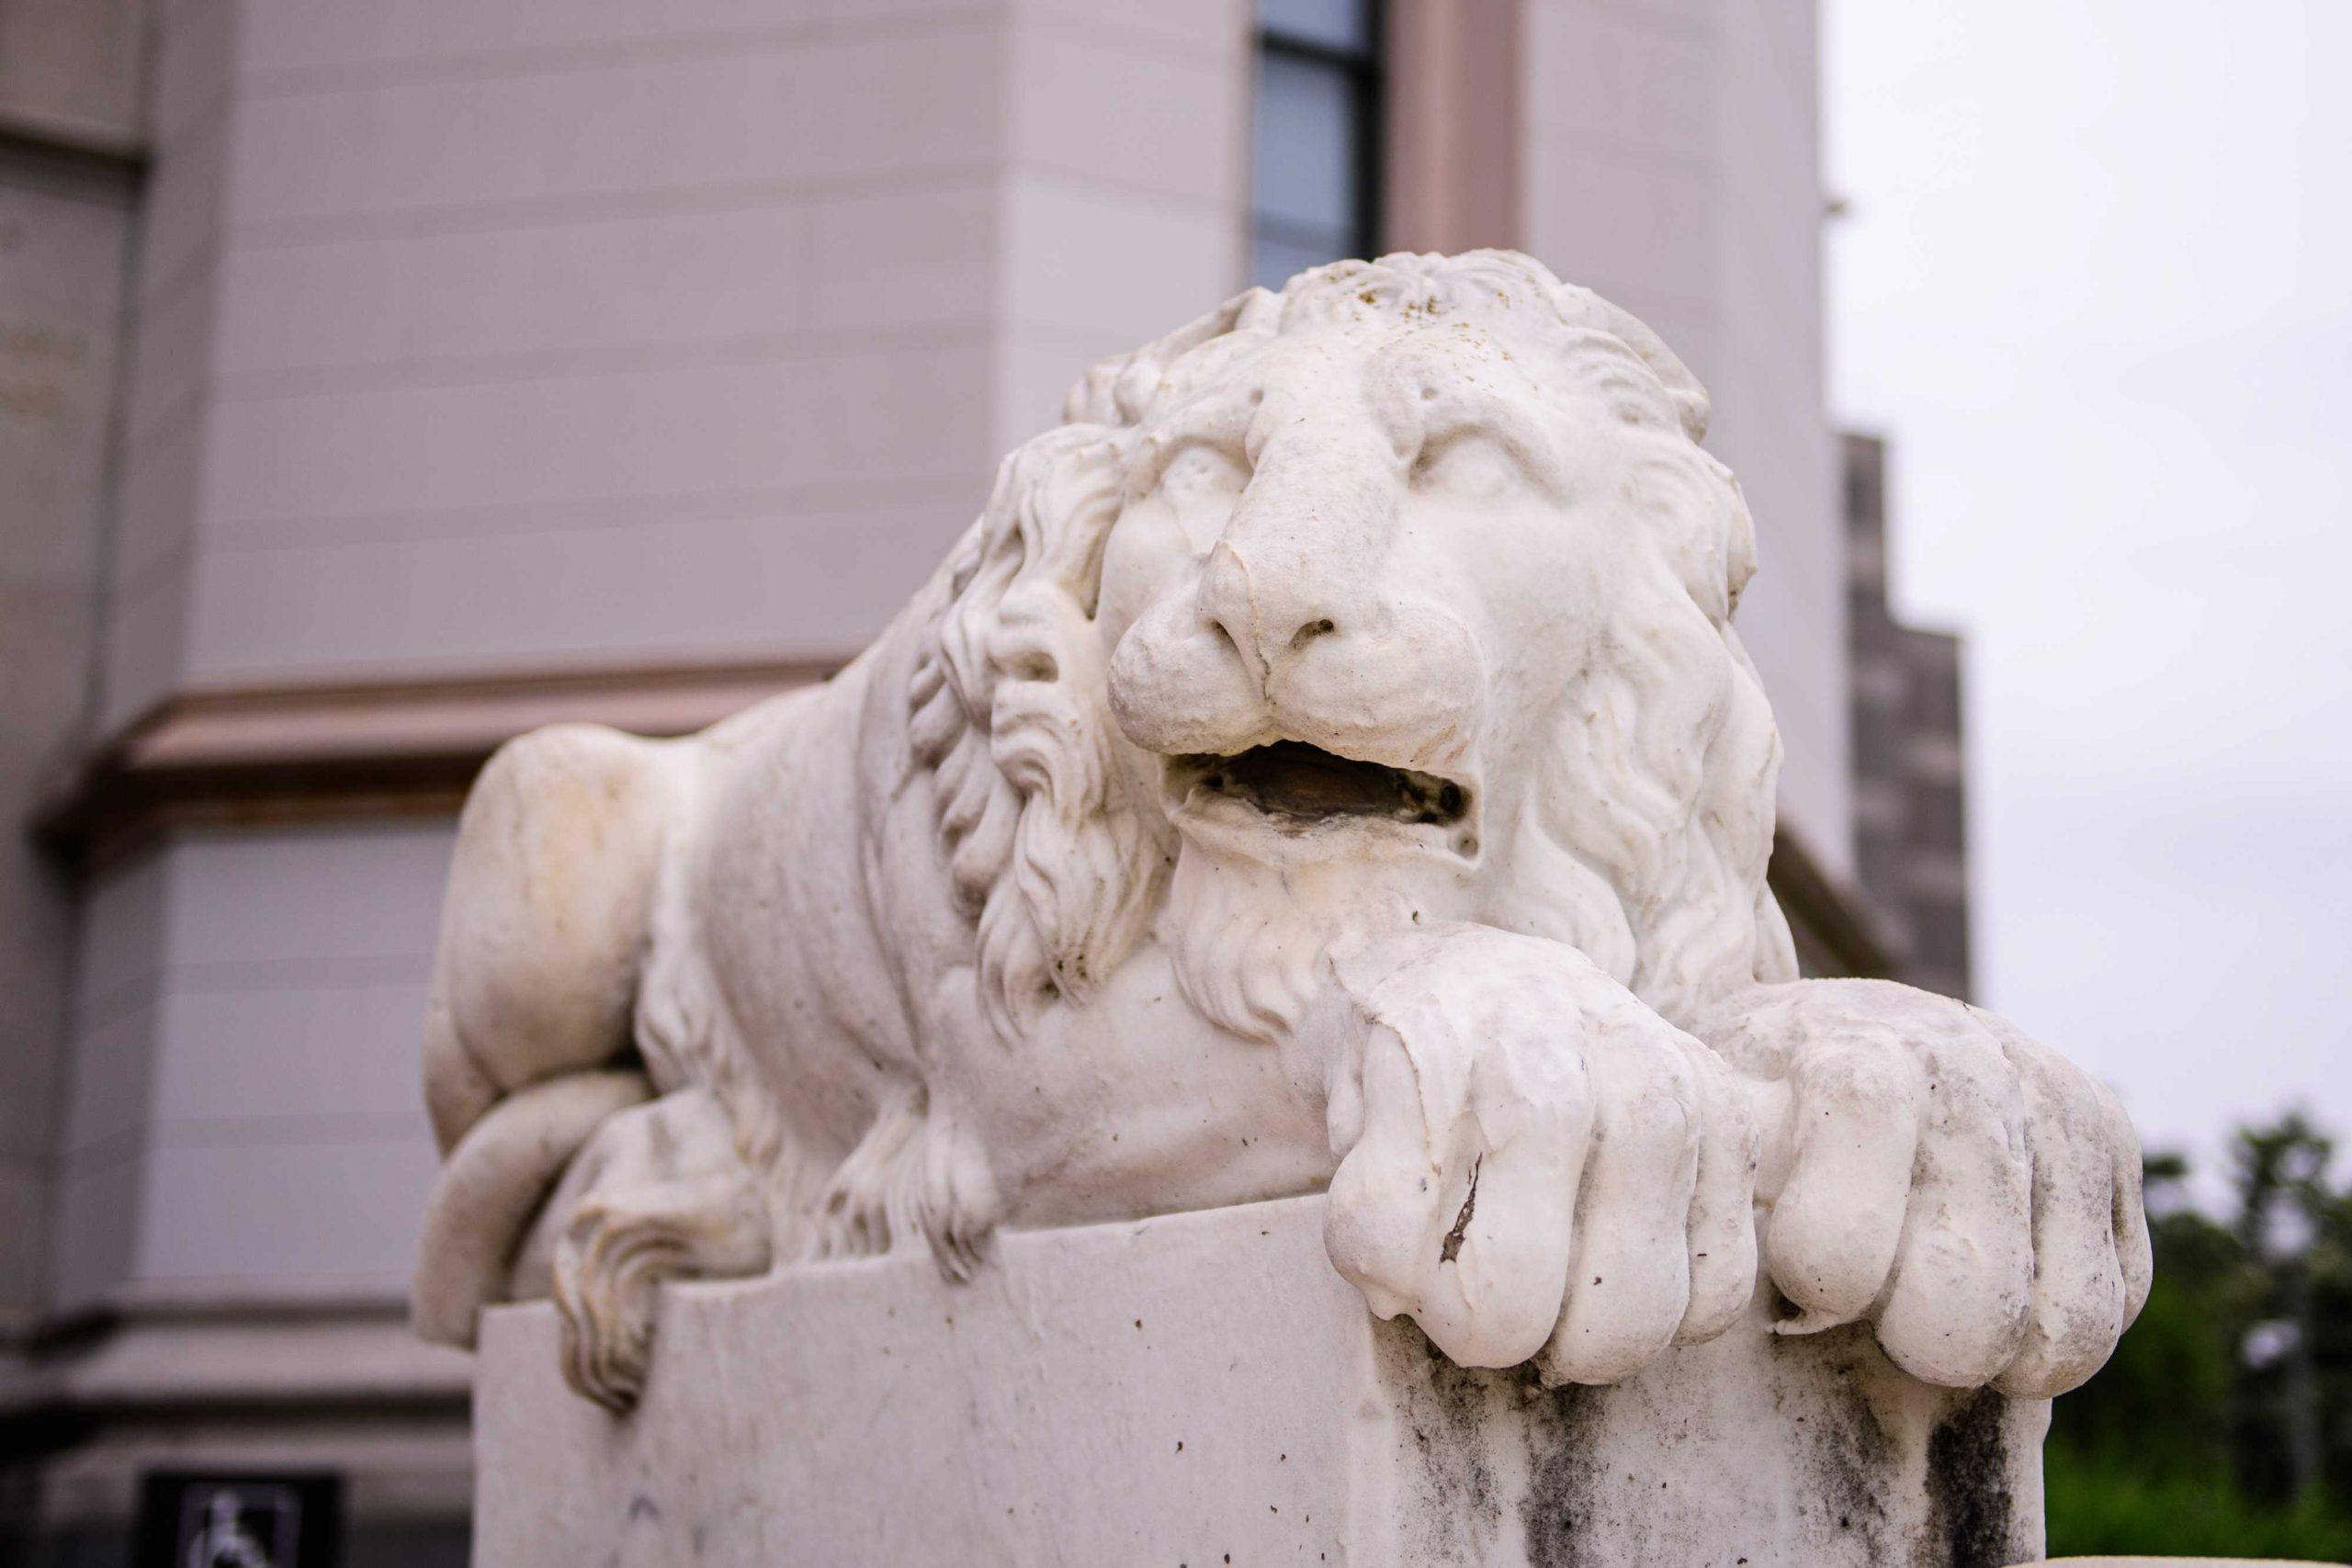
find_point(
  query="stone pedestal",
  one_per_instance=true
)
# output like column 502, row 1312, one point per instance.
column 1201, row 1390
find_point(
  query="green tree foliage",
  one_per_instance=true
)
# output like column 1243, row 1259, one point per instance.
column 2223, row 1424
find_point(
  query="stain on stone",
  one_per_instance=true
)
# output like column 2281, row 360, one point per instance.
column 1445, row 1415
column 1457, row 1401
column 1563, row 1476
column 1971, row 1507
column 1847, row 1454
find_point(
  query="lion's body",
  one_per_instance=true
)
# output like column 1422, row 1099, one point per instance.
column 1328, row 760
column 737, row 912
column 906, row 933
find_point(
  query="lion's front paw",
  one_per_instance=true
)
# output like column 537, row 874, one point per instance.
column 1967, row 1192
column 1536, row 1165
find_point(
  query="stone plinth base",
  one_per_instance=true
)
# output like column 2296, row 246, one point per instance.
column 1201, row 1390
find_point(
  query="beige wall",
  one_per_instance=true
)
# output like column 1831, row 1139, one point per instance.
column 481, row 333
column 243, row 1122
column 505, row 332
column 1672, row 162
column 67, row 94
column 62, row 231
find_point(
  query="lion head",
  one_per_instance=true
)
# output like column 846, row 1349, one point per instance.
column 1404, row 594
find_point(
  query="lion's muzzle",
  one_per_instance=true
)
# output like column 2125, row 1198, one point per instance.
column 1397, row 681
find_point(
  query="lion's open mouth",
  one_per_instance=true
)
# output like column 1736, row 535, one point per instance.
column 1294, row 781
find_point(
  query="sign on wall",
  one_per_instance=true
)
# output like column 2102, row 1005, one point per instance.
column 205, row 1520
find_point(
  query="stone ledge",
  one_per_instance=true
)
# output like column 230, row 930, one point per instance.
column 1202, row 1389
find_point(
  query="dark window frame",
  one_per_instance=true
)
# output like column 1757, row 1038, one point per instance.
column 1366, row 75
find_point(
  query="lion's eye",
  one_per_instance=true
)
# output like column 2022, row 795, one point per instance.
column 1200, row 472
column 1472, row 467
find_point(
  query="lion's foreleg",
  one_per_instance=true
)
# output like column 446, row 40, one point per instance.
column 919, row 1172
column 1532, row 1164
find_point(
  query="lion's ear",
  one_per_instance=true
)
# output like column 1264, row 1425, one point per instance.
column 1119, row 391
column 1578, row 304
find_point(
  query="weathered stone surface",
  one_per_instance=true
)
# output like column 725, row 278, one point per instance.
column 1202, row 1387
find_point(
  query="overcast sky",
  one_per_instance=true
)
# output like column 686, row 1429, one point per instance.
column 2096, row 285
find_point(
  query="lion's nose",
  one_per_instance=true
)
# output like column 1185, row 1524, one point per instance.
column 1266, row 619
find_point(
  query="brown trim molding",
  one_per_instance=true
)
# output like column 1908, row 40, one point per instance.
column 1453, row 128
column 410, row 747
column 42, row 137
column 366, row 748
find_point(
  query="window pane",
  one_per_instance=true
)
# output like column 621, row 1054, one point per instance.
column 1306, row 145
column 1336, row 24
column 1274, row 258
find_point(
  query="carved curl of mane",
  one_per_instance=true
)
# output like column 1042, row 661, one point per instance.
column 1009, row 712
column 1651, row 843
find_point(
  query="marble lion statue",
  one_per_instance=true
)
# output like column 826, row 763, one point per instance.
column 1328, row 762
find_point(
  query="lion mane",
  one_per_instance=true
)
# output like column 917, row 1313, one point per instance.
column 1650, row 839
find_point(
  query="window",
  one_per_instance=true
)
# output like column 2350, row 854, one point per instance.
column 1316, row 158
